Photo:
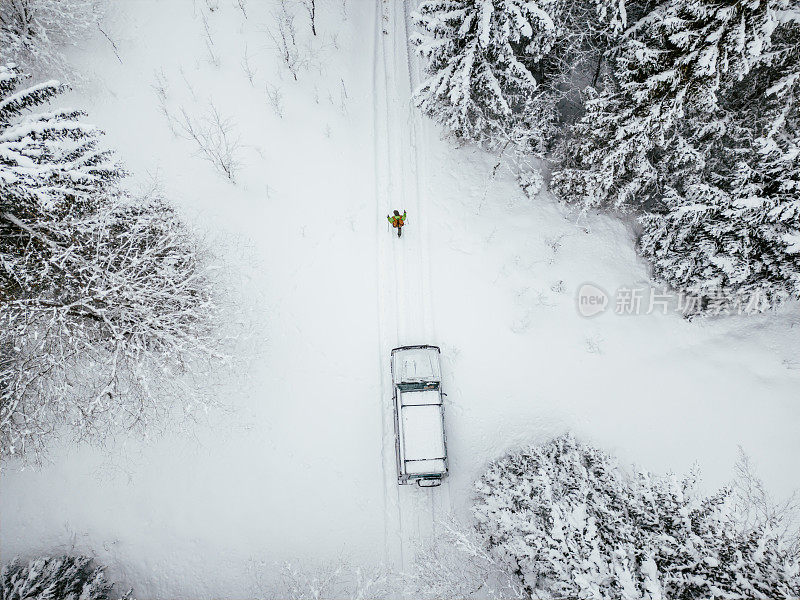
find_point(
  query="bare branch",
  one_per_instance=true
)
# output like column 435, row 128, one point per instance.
column 283, row 35
column 311, row 9
column 242, row 6
column 275, row 99
column 215, row 139
column 248, row 70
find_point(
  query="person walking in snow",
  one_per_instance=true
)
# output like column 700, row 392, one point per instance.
column 397, row 220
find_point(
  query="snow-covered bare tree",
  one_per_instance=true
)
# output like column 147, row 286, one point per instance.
column 479, row 55
column 215, row 138
column 104, row 297
column 328, row 581
column 568, row 522
column 287, row 42
column 34, row 33
column 47, row 578
column 311, row 9
column 456, row 563
column 755, row 507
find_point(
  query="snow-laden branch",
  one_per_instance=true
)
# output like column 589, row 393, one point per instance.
column 105, row 297
column 34, row 33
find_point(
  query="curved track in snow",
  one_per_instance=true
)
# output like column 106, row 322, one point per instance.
column 405, row 306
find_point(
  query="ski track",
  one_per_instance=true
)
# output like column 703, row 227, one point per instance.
column 439, row 498
column 387, row 301
column 403, row 266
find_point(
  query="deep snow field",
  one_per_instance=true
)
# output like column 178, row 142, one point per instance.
column 299, row 465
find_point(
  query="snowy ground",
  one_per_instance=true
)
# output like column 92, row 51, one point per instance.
column 302, row 467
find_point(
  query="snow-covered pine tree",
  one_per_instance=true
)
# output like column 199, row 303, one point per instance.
column 556, row 514
column 568, row 522
column 698, row 130
column 729, row 233
column 46, row 578
column 510, row 70
column 695, row 547
column 479, row 55
column 671, row 68
column 103, row 296
column 50, row 161
column 586, row 31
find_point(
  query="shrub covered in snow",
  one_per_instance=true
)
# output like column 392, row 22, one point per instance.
column 322, row 581
column 455, row 563
column 103, row 296
column 62, row 578
column 569, row 522
column 33, row 33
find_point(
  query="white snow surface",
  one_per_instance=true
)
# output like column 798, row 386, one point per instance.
column 422, row 432
column 301, row 465
column 426, row 466
column 416, row 365
column 420, row 397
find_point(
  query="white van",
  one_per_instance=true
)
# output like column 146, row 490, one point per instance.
column 420, row 443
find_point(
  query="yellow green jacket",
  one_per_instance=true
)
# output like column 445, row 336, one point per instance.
column 397, row 220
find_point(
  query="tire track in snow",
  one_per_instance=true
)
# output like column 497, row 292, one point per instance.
column 411, row 512
column 415, row 503
column 420, row 130
column 386, row 297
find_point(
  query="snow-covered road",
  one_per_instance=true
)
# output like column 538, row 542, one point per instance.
column 301, row 466
column 403, row 264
